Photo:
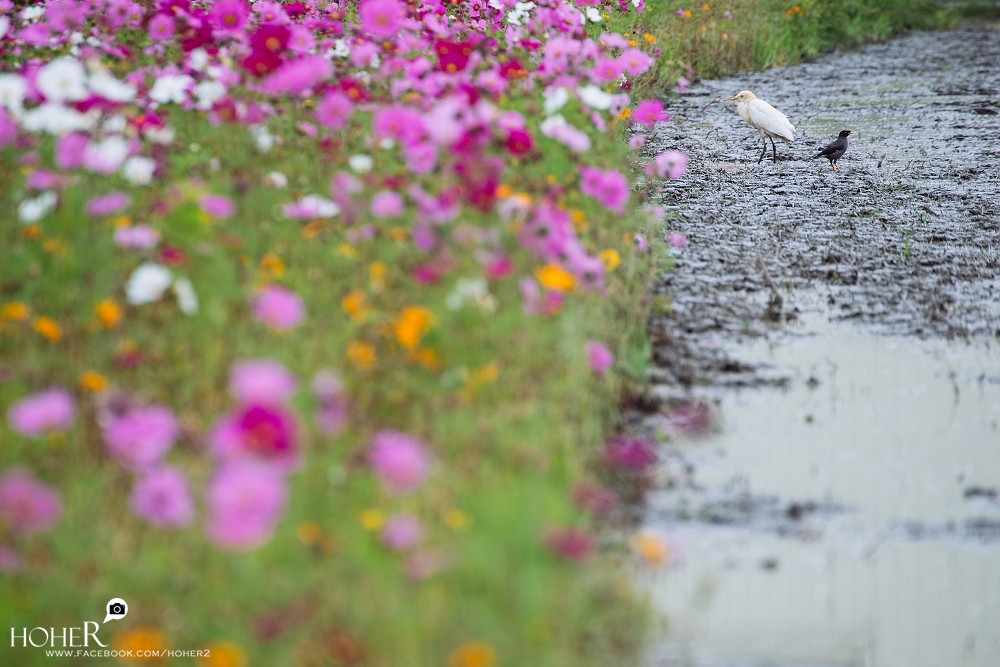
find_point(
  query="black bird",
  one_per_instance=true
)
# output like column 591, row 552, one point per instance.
column 835, row 150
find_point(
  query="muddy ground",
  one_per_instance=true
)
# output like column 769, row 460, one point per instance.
column 905, row 240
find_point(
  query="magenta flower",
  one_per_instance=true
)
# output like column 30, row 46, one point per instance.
column 278, row 308
column 386, row 204
column 103, row 205
column 599, row 357
column 672, row 164
column 606, row 70
column 261, row 381
column 400, row 461
column 49, row 411
column 244, row 503
column 162, row 497
column 229, row 16
column 381, row 19
column 649, row 112
column 608, row 187
column 334, row 110
column 634, row 61
column 629, row 453
column 257, row 431
column 400, row 123
column 140, row 237
column 296, row 76
column 140, row 438
column 570, row 543
column 217, row 206
column 69, row 150
column 402, row 532
column 26, row 505
column 161, row 27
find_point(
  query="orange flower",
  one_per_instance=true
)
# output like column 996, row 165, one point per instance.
column 554, row 277
column 626, row 114
column 360, row 354
column 579, row 220
column 502, row 191
column 610, row 259
column 651, row 548
column 313, row 229
column 473, row 654
column 271, row 266
column 108, row 313
column 141, row 642
column 15, row 310
column 354, row 305
column 222, row 654
column 93, row 381
column 32, row 232
column 47, row 327
column 427, row 358
column 412, row 324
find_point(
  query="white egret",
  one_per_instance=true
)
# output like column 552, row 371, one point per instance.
column 764, row 118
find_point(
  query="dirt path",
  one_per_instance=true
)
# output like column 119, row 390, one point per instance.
column 905, row 240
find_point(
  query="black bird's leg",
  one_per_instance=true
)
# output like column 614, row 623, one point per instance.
column 764, row 152
column 774, row 151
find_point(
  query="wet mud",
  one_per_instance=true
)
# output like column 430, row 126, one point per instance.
column 905, row 240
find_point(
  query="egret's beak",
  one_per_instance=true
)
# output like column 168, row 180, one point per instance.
column 731, row 99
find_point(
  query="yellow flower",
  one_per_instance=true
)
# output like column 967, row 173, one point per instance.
column 579, row 220
column 473, row 654
column 360, row 354
column 456, row 519
column 93, row 381
column 108, row 313
column 123, row 221
column 347, row 250
column 651, row 548
column 271, row 266
column 309, row 532
column 137, row 643
column 15, row 310
column 372, row 519
column 376, row 275
column 555, row 278
column 354, row 305
column 412, row 324
column 222, row 654
column 47, row 327
column 551, row 180
column 610, row 259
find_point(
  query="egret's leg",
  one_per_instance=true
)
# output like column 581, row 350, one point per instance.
column 774, row 151
column 763, row 153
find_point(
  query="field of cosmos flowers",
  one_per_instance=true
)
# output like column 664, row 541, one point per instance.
column 313, row 318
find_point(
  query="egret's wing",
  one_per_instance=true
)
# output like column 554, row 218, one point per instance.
column 766, row 117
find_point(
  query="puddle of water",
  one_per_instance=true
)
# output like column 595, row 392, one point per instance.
column 904, row 436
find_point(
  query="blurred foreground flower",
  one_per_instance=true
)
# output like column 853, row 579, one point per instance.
column 570, row 543
column 599, row 357
column 399, row 460
column 278, row 308
column 222, row 654
column 161, row 497
column 261, row 381
column 245, row 501
column 140, row 645
column 473, row 654
column 630, row 453
column 27, row 505
column 140, row 438
column 49, row 411
column 402, row 532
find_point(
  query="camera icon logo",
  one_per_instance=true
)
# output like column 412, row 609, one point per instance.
column 117, row 609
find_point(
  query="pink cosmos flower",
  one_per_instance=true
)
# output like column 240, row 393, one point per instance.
column 26, row 505
column 103, row 205
column 141, row 237
column 636, row 141
column 634, row 61
column 278, row 308
column 599, row 357
column 382, row 19
column 261, row 381
column 672, row 164
column 400, row 123
column 229, row 16
column 140, row 438
column 682, row 84
column 400, row 461
column 608, row 187
column 296, row 76
column 301, row 40
column 49, row 411
column 648, row 113
column 245, row 501
column 402, row 532
column 258, row 431
column 217, row 206
column 386, row 204
column 677, row 240
column 69, row 150
column 161, row 27
column 162, row 497
column 334, row 110
column 605, row 70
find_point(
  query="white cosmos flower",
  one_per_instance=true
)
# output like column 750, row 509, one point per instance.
column 12, row 90
column 198, row 59
column 186, row 298
column 262, row 137
column 362, row 164
column 147, row 283
column 56, row 119
column 593, row 14
column 29, row 13
column 103, row 84
column 159, row 135
column 33, row 210
column 115, row 124
column 62, row 79
column 594, row 97
column 4, row 25
column 276, row 179
column 555, row 99
column 138, row 170
column 105, row 157
column 208, row 93
column 339, row 50
column 171, row 88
